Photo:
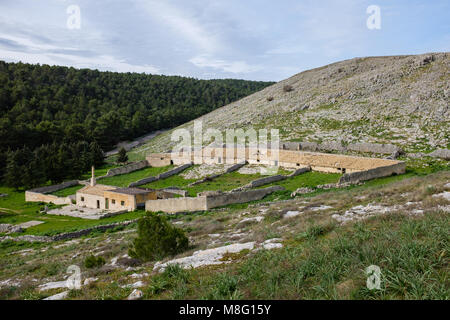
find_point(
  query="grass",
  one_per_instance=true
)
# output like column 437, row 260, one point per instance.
column 124, row 180
column 225, row 182
column 67, row 191
column 326, row 262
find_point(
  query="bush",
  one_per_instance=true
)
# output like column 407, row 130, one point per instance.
column 269, row 99
column 157, row 239
column 288, row 88
column 94, row 262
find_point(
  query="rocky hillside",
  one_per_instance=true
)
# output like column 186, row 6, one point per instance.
column 403, row 100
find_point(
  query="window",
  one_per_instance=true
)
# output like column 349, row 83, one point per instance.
column 82, row 198
column 122, row 203
column 113, row 201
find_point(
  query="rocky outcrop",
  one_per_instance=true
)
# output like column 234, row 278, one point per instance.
column 441, row 153
column 10, row 228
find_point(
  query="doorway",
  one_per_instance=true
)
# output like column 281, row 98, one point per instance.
column 98, row 204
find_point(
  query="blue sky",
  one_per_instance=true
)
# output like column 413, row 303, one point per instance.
column 245, row 39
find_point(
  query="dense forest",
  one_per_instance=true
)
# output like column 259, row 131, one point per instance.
column 49, row 106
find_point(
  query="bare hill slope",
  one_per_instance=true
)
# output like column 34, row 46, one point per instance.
column 403, row 100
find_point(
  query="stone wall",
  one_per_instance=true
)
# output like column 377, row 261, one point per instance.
column 159, row 160
column 338, row 146
column 379, row 172
column 214, row 176
column 239, row 197
column 84, row 232
column 374, row 148
column 56, row 187
column 202, row 203
column 127, row 168
column 441, row 153
column 31, row 196
column 265, row 180
column 175, row 205
column 160, row 176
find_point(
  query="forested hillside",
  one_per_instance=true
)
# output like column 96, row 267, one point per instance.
column 42, row 105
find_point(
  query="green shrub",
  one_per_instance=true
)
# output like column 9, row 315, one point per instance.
column 94, row 262
column 157, row 239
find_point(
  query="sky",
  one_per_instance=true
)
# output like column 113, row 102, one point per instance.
column 244, row 39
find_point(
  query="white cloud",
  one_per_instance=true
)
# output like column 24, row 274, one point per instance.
column 184, row 25
column 43, row 54
column 205, row 61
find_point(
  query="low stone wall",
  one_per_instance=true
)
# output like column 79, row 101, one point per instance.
column 441, row 153
column 379, row 172
column 338, row 146
column 159, row 160
column 170, row 193
column 31, row 196
column 175, row 205
column 160, row 176
column 271, row 179
column 300, row 171
column 84, row 232
column 239, row 197
column 54, row 188
column 203, row 203
column 214, row 176
column 265, row 180
column 127, row 168
column 374, row 148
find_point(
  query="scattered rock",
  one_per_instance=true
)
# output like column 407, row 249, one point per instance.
column 363, row 212
column 53, row 285
column 205, row 257
column 291, row 214
column 135, row 295
column 272, row 244
column 301, row 191
column 445, row 195
column 10, row 228
column 250, row 220
column 138, row 284
column 59, row 296
column 320, row 208
column 88, row 281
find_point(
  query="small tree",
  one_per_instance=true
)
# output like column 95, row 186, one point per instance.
column 123, row 157
column 157, row 239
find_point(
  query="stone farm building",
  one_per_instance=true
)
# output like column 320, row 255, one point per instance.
column 113, row 198
column 99, row 196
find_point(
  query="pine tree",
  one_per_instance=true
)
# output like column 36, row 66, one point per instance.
column 13, row 172
column 97, row 154
column 123, row 157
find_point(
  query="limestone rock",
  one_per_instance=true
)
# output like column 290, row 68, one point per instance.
column 135, row 295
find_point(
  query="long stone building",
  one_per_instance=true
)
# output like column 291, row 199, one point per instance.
column 323, row 162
